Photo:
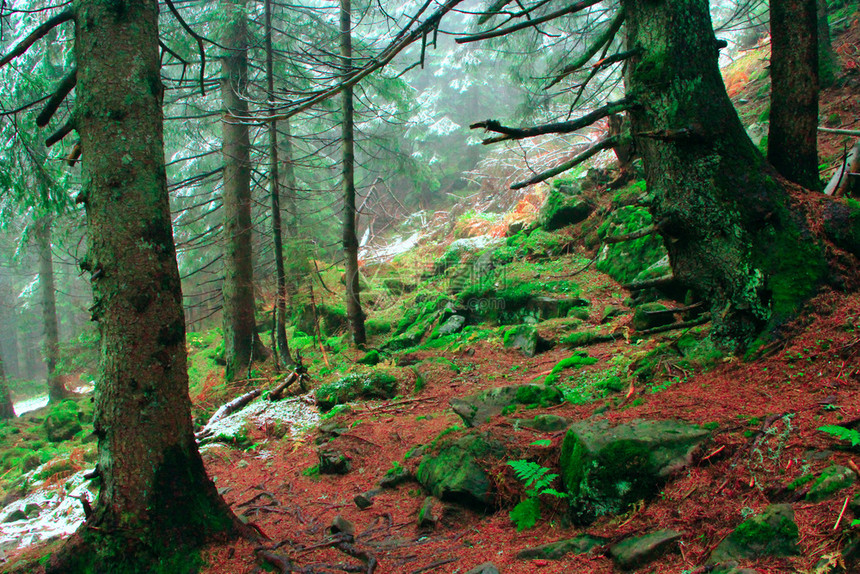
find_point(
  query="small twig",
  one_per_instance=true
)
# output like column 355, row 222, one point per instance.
column 844, row 506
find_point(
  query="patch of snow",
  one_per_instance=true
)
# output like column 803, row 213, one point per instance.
column 31, row 404
column 297, row 413
column 475, row 243
column 59, row 514
column 397, row 246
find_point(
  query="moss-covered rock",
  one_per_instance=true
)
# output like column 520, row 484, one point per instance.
column 636, row 551
column 545, row 422
column 367, row 385
column 371, row 358
column 63, row 422
column 455, row 473
column 772, row 533
column 526, row 339
column 649, row 316
column 832, row 480
column 545, row 308
column 478, row 409
column 626, row 260
column 562, row 208
column 454, row 324
column 558, row 550
column 606, row 469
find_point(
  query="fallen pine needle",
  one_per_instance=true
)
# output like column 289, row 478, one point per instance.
column 719, row 450
column 853, row 466
column 841, row 514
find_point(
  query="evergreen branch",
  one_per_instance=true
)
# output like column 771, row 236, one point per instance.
column 196, row 37
column 65, row 87
column 509, row 133
column 603, row 40
column 573, row 8
column 575, row 161
column 36, row 34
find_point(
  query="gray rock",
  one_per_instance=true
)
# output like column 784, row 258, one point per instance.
column 558, row 550
column 333, row 462
column 478, row 409
column 831, row 481
column 610, row 312
column 339, row 524
column 455, row 474
column 426, row 518
column 554, row 307
column 485, row 568
column 546, row 423
column 606, row 469
column 639, row 550
column 365, row 500
column 16, row 515
column 772, row 533
column 454, row 324
column 732, row 568
column 526, row 339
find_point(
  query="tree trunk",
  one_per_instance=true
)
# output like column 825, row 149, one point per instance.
column 7, row 407
column 354, row 313
column 828, row 66
column 242, row 344
column 730, row 230
column 51, row 345
column 283, row 349
column 792, row 142
column 155, row 501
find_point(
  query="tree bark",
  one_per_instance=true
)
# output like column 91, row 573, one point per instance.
column 792, row 142
column 828, row 66
column 354, row 313
column 7, row 406
column 51, row 344
column 283, row 349
column 242, row 344
column 155, row 500
column 730, row 230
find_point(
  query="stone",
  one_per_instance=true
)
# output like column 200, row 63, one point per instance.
column 395, row 479
column 561, row 209
column 426, row 518
column 455, row 474
column 478, row 409
column 371, row 358
column 526, row 339
column 558, row 550
column 648, row 316
column 772, row 533
column 15, row 515
column 546, row 423
column 637, row 551
column 365, row 500
column 333, row 462
column 454, row 324
column 339, row 524
column 485, row 568
column 854, row 505
column 609, row 313
column 32, row 510
column 63, row 422
column 832, row 480
column 607, row 469
column 554, row 307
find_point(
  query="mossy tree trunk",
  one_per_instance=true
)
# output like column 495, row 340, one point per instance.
column 828, row 66
column 727, row 223
column 155, row 499
column 7, row 406
column 792, row 142
column 51, row 343
column 242, row 344
column 354, row 312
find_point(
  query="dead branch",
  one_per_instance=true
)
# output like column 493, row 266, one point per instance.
column 575, row 161
column 575, row 7
column 650, row 283
column 66, row 86
column 839, row 131
column 36, row 34
column 61, row 133
column 603, row 40
column 278, row 391
column 228, row 409
column 650, row 230
column 509, row 133
column 369, row 559
column 839, row 183
column 197, row 38
column 704, row 318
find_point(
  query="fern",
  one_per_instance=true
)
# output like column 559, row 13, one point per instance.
column 536, row 479
column 842, row 433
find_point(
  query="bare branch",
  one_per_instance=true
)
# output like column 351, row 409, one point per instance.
column 603, row 144
column 554, row 128
column 61, row 133
column 603, row 40
column 576, row 7
column 199, row 40
column 66, row 86
column 36, row 34
column 839, row 131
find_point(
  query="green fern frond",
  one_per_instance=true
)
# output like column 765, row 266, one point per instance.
column 842, row 433
column 554, row 492
column 525, row 514
column 527, row 471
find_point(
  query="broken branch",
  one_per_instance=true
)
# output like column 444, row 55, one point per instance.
column 603, row 40
column 578, row 159
column 58, row 135
column 66, row 86
column 199, row 40
column 650, row 230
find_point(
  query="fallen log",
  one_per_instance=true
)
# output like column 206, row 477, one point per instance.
column 841, row 180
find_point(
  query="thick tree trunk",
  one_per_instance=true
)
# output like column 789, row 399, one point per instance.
column 7, row 407
column 792, row 141
column 354, row 313
column 155, row 500
column 51, row 345
column 728, row 226
column 280, row 338
column 242, row 344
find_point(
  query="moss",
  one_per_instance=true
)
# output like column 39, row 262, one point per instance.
column 369, row 385
column 535, row 395
column 377, row 327
column 767, row 538
column 578, row 360
column 626, row 260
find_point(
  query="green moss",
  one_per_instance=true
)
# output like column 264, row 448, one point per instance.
column 800, row 481
column 576, row 361
column 367, row 385
column 377, row 327
column 625, row 261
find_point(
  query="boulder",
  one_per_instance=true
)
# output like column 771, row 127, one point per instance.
column 651, row 315
column 454, row 324
column 558, row 550
column 561, row 209
column 63, row 422
column 333, row 461
column 365, row 385
column 526, row 339
column 607, row 469
column 832, row 480
column 772, row 533
column 478, row 409
column 454, row 474
column 554, row 307
column 637, row 551
column 426, row 518
column 545, row 423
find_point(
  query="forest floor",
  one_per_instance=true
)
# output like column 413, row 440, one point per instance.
column 763, row 412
